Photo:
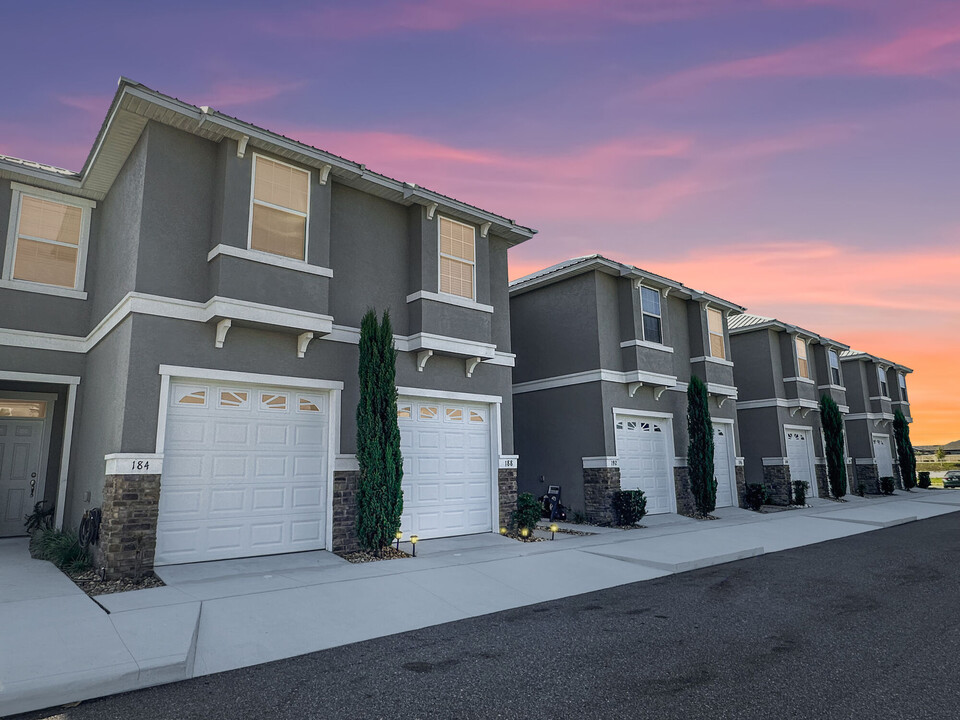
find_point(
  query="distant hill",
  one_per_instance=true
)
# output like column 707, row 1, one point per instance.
column 947, row 447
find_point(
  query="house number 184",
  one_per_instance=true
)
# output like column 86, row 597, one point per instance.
column 139, row 464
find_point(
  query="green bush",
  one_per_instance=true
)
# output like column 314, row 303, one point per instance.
column 861, row 489
column 800, row 488
column 923, row 479
column 528, row 511
column 886, row 485
column 629, row 506
column 755, row 496
column 61, row 547
column 703, row 481
column 833, row 441
column 905, row 454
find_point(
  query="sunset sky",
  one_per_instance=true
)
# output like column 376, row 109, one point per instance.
column 798, row 157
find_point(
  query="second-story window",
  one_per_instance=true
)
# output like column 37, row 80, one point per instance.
column 49, row 239
column 834, row 360
column 803, row 367
column 457, row 259
column 652, row 318
column 279, row 208
column 715, row 329
column 902, row 379
column 882, row 378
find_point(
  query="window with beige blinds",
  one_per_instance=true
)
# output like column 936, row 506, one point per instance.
column 48, row 242
column 281, row 201
column 802, row 364
column 715, row 328
column 457, row 258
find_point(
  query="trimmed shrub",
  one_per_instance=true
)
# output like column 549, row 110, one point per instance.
column 527, row 514
column 629, row 506
column 923, row 479
column 886, row 485
column 832, row 422
column 755, row 496
column 905, row 454
column 379, row 495
column 861, row 489
column 800, row 488
column 61, row 547
column 703, row 481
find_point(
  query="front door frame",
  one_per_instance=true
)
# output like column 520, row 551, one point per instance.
column 46, row 425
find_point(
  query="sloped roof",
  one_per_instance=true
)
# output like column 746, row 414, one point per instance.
column 134, row 105
column 851, row 354
column 749, row 322
column 586, row 263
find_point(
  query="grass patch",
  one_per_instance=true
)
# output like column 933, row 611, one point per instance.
column 61, row 547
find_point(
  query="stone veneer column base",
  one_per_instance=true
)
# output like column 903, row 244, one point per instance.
column 345, row 511
column 128, row 527
column 741, row 474
column 897, row 479
column 686, row 505
column 777, row 480
column 599, row 486
column 823, row 483
column 507, row 485
column 869, row 475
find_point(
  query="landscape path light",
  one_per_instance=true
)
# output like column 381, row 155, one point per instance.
column 413, row 541
column 399, row 536
column 553, row 530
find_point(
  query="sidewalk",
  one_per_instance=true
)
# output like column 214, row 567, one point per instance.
column 60, row 646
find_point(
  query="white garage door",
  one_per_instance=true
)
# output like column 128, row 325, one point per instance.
column 799, row 452
column 883, row 454
column 722, row 451
column 447, row 475
column 645, row 462
column 245, row 472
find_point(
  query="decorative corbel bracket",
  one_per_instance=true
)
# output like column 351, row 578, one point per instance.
column 303, row 339
column 721, row 399
column 666, row 291
column 242, row 145
column 794, row 410
column 422, row 358
column 658, row 392
column 431, row 210
column 484, row 229
column 806, row 411
column 222, row 328
column 324, row 174
column 471, row 365
column 633, row 387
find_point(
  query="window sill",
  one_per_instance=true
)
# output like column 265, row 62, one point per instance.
column 711, row 359
column 269, row 259
column 646, row 344
column 806, row 381
column 43, row 289
column 839, row 388
column 449, row 300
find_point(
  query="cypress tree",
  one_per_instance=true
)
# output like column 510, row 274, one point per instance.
column 832, row 422
column 379, row 496
column 703, row 481
column 905, row 453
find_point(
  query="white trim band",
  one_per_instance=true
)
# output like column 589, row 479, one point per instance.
column 449, row 300
column 601, row 461
column 134, row 463
column 269, row 259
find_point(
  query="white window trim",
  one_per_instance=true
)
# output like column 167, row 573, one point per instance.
column 831, row 353
column 449, row 300
column 882, row 385
column 806, row 351
column 726, row 353
column 262, row 256
column 643, row 330
column 648, row 344
column 86, row 206
column 441, row 255
column 902, row 386
column 253, row 201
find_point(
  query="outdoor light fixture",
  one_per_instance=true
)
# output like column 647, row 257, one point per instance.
column 553, row 530
column 524, row 532
column 413, row 541
column 399, row 535
column 503, row 531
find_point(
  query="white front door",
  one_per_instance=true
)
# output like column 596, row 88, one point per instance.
column 447, row 467
column 722, row 467
column 799, row 452
column 21, row 440
column 643, row 450
column 245, row 471
column 881, row 451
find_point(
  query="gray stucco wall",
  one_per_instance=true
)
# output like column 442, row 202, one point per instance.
column 755, row 357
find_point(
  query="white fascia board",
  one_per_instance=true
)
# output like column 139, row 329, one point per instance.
column 266, row 258
column 710, row 359
column 39, row 378
column 449, row 300
column 503, row 358
column 446, row 395
column 646, row 344
column 718, row 389
column 643, row 413
column 199, row 373
column 441, row 343
column 589, row 376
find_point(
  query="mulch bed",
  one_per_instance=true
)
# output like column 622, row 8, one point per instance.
column 513, row 534
column 546, row 528
column 92, row 585
column 363, row 556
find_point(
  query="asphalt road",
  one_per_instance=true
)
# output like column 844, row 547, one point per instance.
column 864, row 627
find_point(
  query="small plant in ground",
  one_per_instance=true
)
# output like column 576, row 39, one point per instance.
column 861, row 489
column 42, row 518
column 886, row 485
column 923, row 479
column 629, row 506
column 527, row 514
column 755, row 496
column 61, row 547
column 800, row 488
